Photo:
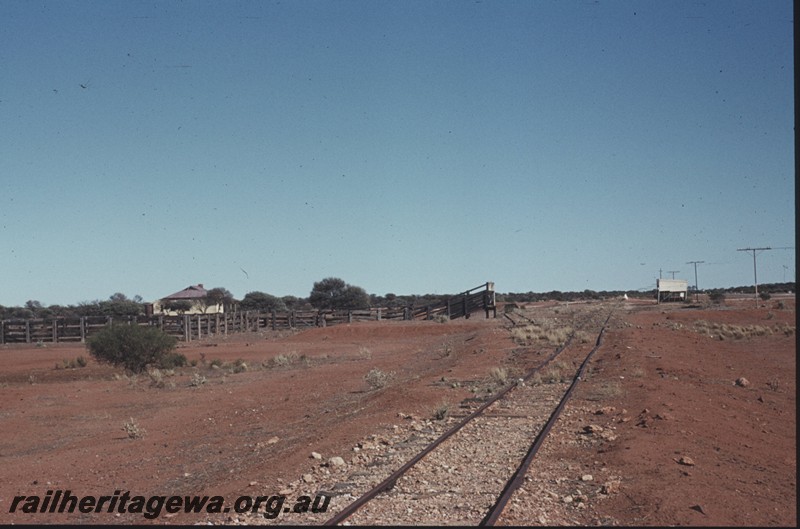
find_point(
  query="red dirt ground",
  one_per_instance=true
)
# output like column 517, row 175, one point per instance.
column 250, row 432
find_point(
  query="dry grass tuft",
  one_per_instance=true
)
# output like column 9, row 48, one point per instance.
column 158, row 377
column 239, row 366
column 442, row 411
column 605, row 391
column 636, row 372
column 75, row 363
column 283, row 360
column 557, row 372
column 774, row 384
column 547, row 331
column 725, row 331
column 197, row 380
column 132, row 428
column 378, row 379
column 499, row 375
column 552, row 375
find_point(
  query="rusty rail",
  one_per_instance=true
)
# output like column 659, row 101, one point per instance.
column 518, row 479
column 514, row 482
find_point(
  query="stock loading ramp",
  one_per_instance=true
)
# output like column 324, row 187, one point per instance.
column 462, row 305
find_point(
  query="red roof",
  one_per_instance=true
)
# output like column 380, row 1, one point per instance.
column 190, row 292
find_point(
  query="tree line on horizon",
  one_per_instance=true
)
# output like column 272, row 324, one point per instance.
column 331, row 293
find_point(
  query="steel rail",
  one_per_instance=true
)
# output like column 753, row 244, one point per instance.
column 390, row 481
column 518, row 478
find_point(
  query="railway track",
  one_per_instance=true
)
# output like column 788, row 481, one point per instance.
column 483, row 451
column 462, row 471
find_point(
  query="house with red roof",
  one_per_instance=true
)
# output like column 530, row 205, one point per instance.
column 191, row 300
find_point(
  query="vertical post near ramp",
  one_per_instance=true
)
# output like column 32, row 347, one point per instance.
column 489, row 300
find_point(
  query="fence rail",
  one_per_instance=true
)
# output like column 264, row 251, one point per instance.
column 190, row 327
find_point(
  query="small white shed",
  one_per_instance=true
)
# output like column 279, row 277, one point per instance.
column 671, row 290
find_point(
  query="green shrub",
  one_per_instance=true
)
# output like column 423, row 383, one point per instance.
column 135, row 347
column 172, row 360
column 716, row 296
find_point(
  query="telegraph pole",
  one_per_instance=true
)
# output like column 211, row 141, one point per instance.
column 755, row 273
column 695, row 263
column 754, row 250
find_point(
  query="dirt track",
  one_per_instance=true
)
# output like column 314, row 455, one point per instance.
column 252, row 432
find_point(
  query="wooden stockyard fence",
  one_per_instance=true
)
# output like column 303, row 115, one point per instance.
column 190, row 327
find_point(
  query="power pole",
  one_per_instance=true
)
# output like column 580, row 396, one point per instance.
column 673, row 272
column 754, row 250
column 695, row 263
column 755, row 272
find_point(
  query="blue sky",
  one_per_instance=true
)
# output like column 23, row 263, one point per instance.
column 409, row 147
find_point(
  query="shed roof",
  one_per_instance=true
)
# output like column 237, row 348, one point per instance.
column 190, row 292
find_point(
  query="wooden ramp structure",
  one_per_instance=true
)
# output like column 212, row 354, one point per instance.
column 189, row 327
column 462, row 305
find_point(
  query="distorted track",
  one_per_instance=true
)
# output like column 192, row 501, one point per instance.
column 492, row 445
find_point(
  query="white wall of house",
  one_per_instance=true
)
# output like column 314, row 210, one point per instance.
column 197, row 308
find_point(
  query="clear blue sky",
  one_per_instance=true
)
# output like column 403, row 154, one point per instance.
column 404, row 146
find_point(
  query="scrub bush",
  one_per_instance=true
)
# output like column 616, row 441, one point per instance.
column 135, row 347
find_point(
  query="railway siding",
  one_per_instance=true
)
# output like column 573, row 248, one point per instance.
column 460, row 480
